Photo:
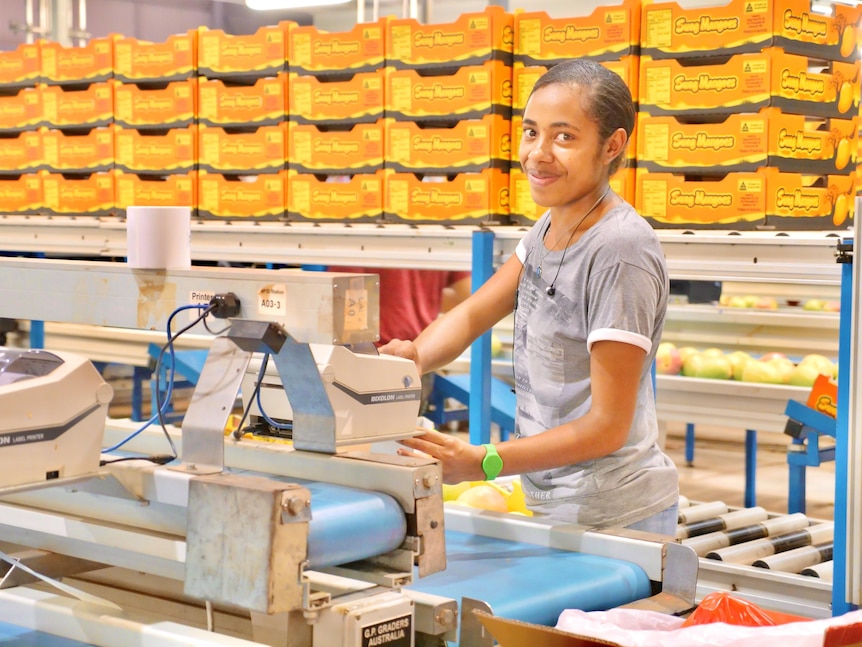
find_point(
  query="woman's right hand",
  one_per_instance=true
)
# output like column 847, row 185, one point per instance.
column 402, row 348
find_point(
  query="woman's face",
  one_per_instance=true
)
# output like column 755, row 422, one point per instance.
column 561, row 151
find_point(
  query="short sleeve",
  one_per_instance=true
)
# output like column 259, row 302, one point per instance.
column 623, row 304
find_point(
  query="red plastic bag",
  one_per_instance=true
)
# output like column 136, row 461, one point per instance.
column 721, row 606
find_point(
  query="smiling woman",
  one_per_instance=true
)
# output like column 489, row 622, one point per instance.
column 589, row 288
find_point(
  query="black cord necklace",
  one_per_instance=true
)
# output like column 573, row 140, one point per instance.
column 552, row 290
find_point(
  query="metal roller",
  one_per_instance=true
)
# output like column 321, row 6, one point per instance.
column 701, row 511
column 822, row 571
column 728, row 521
column 722, row 539
column 752, row 551
column 794, row 561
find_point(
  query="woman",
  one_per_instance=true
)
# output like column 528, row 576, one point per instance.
column 589, row 287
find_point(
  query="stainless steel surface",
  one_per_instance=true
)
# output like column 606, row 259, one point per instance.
column 728, row 403
column 804, row 596
column 239, row 551
column 313, row 417
column 307, row 304
column 210, row 407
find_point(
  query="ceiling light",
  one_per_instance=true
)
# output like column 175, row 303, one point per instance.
column 265, row 5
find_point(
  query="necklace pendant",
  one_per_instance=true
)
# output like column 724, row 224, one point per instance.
column 539, row 272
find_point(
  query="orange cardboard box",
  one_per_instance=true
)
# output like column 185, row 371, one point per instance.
column 609, row 32
column 468, row 93
column 21, row 195
column 162, row 153
column 90, row 107
column 472, row 39
column 352, row 101
column 335, row 152
column 21, row 111
column 262, row 104
column 743, row 142
column 748, row 82
column 677, row 30
column 20, row 67
column 224, row 56
column 173, row 106
column 90, row 196
column 260, row 197
column 164, row 191
column 765, row 198
column 90, row 63
column 466, row 146
column 517, row 133
column 464, row 198
column 317, row 52
column 175, row 59
column 260, row 151
column 824, row 396
column 22, row 153
column 88, row 152
column 354, row 198
column 525, row 211
column 524, row 77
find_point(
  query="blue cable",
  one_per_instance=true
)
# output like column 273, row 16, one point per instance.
column 162, row 407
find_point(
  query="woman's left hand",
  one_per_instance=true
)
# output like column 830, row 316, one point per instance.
column 461, row 461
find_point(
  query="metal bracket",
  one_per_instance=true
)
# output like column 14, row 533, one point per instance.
column 844, row 251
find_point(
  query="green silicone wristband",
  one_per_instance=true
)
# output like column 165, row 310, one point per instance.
column 492, row 464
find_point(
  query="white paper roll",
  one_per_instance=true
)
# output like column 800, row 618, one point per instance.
column 158, row 238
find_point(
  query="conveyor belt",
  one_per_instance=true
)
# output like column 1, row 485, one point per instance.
column 349, row 525
column 14, row 636
column 532, row 583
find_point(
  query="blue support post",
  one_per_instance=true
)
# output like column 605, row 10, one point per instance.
column 480, row 351
column 840, row 604
column 37, row 334
column 796, row 478
column 750, row 468
column 689, row 443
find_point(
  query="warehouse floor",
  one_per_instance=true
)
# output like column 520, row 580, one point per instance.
column 718, row 471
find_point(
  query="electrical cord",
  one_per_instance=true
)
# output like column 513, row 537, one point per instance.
column 215, row 333
column 161, row 406
column 272, row 423
column 237, row 433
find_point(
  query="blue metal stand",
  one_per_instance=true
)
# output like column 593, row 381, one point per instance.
column 480, row 352
column 840, row 605
column 806, row 428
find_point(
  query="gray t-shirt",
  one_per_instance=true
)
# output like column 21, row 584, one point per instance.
column 612, row 284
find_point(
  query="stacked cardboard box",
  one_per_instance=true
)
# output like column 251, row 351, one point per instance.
column 608, row 34
column 335, row 128
column 242, row 124
column 448, row 119
column 748, row 115
column 20, row 141
column 21, row 156
column 155, row 131
column 76, row 93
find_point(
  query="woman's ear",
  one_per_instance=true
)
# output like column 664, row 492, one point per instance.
column 615, row 145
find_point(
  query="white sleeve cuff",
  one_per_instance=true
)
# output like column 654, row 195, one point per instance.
column 624, row 336
column 521, row 251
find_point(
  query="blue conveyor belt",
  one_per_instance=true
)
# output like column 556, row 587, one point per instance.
column 13, row 636
column 532, row 583
column 348, row 525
